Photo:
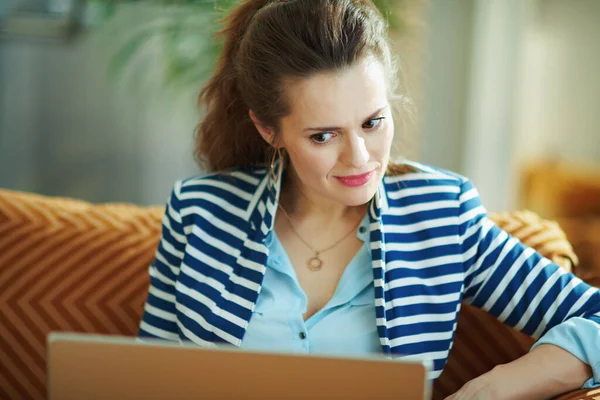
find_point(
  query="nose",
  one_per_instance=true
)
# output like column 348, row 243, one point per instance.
column 355, row 151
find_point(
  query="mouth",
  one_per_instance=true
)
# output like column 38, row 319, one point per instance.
column 356, row 180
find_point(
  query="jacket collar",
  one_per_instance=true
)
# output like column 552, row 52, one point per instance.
column 379, row 203
column 263, row 206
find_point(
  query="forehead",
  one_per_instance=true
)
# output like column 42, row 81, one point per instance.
column 340, row 98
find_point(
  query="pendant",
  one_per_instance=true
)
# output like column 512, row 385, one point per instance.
column 315, row 263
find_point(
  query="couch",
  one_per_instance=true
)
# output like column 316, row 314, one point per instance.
column 68, row 265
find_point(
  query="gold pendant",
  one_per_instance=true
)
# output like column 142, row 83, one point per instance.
column 315, row 263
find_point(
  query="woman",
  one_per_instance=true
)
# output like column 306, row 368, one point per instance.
column 330, row 247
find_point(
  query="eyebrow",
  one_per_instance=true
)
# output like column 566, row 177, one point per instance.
column 335, row 128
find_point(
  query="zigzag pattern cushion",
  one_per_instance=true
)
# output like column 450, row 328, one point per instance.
column 67, row 265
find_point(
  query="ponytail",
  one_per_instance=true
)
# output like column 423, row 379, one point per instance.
column 227, row 138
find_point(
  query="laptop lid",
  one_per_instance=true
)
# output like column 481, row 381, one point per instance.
column 85, row 366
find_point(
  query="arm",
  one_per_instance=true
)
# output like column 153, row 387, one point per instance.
column 523, row 289
column 159, row 319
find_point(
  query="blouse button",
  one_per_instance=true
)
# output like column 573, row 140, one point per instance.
column 362, row 229
column 302, row 335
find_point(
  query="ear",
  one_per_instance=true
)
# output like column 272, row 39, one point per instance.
column 267, row 133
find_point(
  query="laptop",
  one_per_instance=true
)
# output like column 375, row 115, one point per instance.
column 86, row 366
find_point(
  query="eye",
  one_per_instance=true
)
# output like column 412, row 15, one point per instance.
column 373, row 123
column 322, row 138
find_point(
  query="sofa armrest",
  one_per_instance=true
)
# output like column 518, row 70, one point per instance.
column 545, row 236
column 580, row 394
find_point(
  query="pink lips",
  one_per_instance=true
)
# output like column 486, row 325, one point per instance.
column 355, row 180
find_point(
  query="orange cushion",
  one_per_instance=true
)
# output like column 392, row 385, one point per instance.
column 67, row 265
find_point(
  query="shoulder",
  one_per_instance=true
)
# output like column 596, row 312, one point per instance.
column 239, row 182
column 430, row 189
column 227, row 193
column 423, row 179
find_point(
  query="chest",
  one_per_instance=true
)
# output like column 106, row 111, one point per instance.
column 318, row 285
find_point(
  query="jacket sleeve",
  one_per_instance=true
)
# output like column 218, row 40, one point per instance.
column 159, row 319
column 520, row 287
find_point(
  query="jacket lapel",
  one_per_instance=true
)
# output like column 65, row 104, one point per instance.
column 251, row 262
column 376, row 210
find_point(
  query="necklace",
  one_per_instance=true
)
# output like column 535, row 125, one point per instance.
column 315, row 263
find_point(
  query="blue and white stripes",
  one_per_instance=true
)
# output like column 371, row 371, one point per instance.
column 432, row 246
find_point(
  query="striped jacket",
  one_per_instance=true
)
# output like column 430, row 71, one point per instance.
column 432, row 247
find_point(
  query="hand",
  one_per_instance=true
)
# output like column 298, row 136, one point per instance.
column 549, row 369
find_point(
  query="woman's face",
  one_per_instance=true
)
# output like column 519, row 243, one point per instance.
column 339, row 133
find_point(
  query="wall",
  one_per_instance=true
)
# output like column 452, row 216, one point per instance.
column 508, row 82
column 69, row 129
column 470, row 77
column 443, row 111
column 559, row 106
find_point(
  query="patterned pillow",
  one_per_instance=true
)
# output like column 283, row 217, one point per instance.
column 67, row 265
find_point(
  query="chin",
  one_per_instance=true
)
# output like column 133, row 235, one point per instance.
column 353, row 197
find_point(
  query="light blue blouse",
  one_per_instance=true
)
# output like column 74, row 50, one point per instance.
column 346, row 324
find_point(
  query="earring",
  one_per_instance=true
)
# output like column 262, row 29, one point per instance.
column 272, row 175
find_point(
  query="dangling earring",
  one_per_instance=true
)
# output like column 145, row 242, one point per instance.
column 272, row 174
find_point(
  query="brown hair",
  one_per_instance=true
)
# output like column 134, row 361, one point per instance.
column 267, row 42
